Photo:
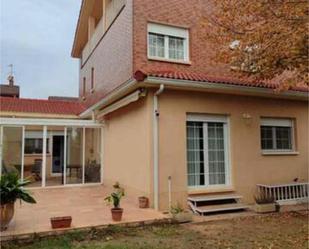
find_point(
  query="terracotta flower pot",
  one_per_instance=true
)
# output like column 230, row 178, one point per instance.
column 61, row 222
column 265, row 208
column 117, row 214
column 7, row 213
column 183, row 217
column 143, row 202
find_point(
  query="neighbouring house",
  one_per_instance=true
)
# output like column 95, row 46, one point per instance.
column 155, row 114
column 46, row 142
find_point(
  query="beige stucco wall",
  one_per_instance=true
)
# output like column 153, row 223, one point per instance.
column 128, row 144
column 248, row 166
column 127, row 148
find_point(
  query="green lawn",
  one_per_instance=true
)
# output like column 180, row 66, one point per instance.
column 284, row 230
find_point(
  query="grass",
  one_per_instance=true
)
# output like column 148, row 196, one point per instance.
column 282, row 230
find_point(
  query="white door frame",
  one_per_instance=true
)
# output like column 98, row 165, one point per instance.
column 51, row 147
column 226, row 132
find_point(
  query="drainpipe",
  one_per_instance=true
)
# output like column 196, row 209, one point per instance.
column 156, row 115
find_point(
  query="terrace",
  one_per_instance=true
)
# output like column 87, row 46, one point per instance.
column 56, row 155
column 85, row 204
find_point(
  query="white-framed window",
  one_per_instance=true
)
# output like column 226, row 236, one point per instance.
column 277, row 134
column 207, row 151
column 34, row 143
column 168, row 43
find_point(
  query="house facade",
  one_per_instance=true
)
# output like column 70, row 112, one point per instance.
column 175, row 124
column 172, row 123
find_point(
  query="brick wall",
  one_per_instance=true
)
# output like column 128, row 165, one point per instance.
column 181, row 13
column 111, row 60
column 123, row 50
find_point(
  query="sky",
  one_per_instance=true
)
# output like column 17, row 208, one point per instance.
column 36, row 36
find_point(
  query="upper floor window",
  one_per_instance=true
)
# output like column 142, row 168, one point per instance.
column 92, row 79
column 277, row 134
column 168, row 43
column 84, row 87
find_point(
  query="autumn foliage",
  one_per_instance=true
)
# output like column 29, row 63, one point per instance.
column 263, row 39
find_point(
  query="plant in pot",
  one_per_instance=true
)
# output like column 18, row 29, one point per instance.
column 143, row 202
column 264, row 203
column 114, row 199
column 180, row 215
column 11, row 189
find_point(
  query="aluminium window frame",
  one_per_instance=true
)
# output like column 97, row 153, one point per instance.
column 169, row 32
column 274, row 123
column 45, row 123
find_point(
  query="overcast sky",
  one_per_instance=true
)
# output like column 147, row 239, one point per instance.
column 36, row 36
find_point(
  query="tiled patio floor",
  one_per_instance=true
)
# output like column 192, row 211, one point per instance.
column 86, row 205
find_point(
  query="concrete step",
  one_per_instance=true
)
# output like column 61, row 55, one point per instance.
column 205, row 198
column 219, row 208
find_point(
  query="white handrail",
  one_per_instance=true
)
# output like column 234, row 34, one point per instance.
column 283, row 192
column 283, row 185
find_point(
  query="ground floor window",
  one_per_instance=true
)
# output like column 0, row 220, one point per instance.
column 207, row 152
column 276, row 134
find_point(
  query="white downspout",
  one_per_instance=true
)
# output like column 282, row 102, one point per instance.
column 156, row 146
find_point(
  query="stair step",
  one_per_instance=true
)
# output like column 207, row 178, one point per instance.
column 220, row 208
column 213, row 198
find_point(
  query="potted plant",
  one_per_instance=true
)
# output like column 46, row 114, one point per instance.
column 11, row 189
column 143, row 202
column 61, row 222
column 180, row 215
column 114, row 199
column 264, row 203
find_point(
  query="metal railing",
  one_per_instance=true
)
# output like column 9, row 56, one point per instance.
column 285, row 192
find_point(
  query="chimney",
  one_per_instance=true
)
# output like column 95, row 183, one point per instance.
column 11, row 80
column 9, row 90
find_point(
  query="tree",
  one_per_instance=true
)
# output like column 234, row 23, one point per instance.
column 263, row 39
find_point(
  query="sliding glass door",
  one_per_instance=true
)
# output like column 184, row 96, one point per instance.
column 207, row 152
column 33, row 155
column 75, row 155
column 52, row 155
column 92, row 155
column 11, row 149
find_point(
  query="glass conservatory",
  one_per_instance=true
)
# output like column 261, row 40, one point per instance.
column 52, row 152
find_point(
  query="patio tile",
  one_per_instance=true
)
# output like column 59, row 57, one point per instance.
column 86, row 205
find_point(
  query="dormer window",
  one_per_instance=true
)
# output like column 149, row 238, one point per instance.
column 168, row 43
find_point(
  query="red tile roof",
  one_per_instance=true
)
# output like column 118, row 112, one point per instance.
column 40, row 106
column 200, row 77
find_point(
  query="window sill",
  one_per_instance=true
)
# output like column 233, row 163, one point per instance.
column 169, row 60
column 280, row 153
